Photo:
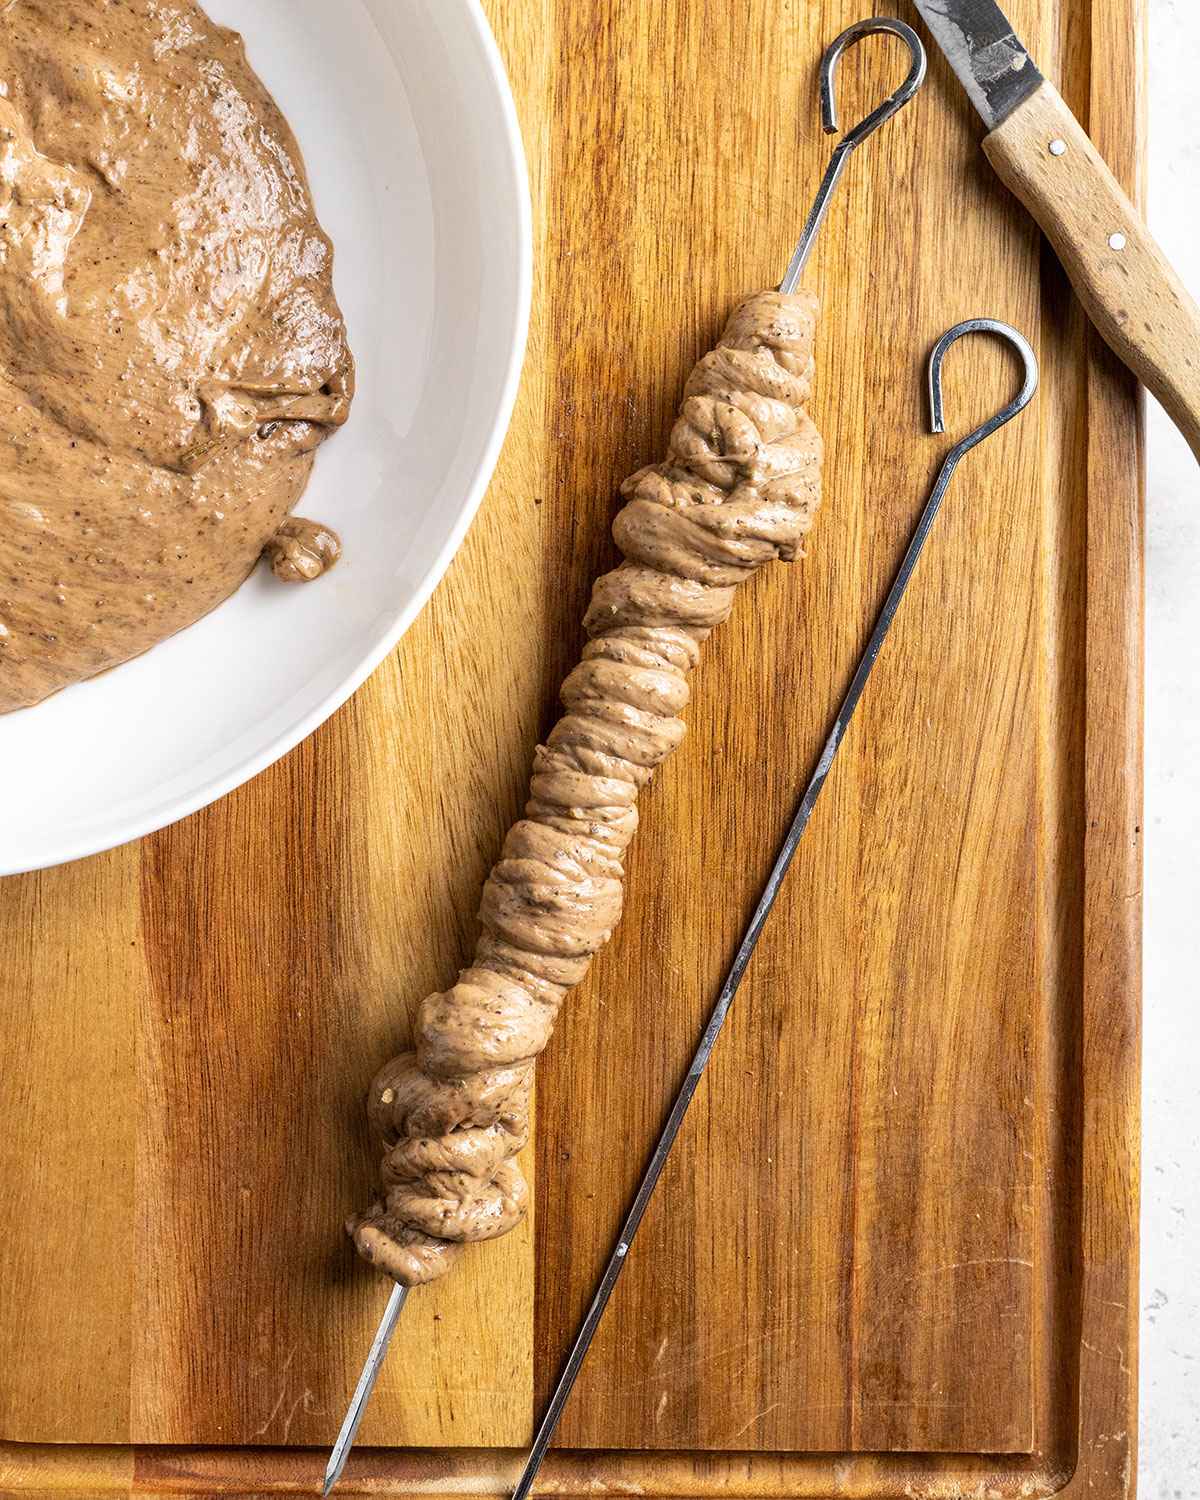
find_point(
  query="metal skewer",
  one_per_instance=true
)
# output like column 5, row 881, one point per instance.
column 850, row 142
column 816, row 216
column 366, row 1384
column 729, row 989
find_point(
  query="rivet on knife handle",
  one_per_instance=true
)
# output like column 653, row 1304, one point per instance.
column 1127, row 286
column 712, row 1031
column 1044, row 156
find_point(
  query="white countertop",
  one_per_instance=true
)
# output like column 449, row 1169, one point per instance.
column 1169, row 1461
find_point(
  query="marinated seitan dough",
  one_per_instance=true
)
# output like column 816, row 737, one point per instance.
column 302, row 550
column 171, row 352
column 740, row 486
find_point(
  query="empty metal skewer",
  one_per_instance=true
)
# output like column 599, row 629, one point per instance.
column 849, row 142
column 729, row 989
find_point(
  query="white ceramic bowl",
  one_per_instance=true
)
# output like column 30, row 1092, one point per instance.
column 403, row 111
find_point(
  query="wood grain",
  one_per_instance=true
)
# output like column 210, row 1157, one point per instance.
column 896, row 1252
column 1131, row 291
column 871, row 1004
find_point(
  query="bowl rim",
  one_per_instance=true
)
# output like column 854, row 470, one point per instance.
column 171, row 811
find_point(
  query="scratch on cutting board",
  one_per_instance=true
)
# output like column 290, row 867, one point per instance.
column 958, row 1265
column 758, row 1416
column 303, row 1399
column 688, row 1369
column 948, row 1269
column 1118, row 1358
column 283, row 1369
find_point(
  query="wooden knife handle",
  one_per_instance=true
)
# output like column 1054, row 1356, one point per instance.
column 1125, row 282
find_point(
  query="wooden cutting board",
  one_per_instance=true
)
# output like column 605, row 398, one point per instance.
column 896, row 1251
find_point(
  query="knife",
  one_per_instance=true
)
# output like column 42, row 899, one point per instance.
column 1041, row 152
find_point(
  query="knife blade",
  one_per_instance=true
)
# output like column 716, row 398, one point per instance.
column 1042, row 153
column 989, row 59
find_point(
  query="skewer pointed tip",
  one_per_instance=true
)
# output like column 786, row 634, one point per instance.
column 525, row 1483
column 366, row 1384
column 333, row 1471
